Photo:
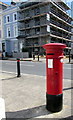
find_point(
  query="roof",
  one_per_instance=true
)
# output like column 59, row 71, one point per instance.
column 4, row 4
column 65, row 5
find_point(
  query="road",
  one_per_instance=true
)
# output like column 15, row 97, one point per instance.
column 34, row 68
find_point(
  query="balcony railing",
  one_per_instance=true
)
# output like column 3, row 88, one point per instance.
column 60, row 34
column 31, row 44
column 60, row 6
column 21, row 26
column 60, row 15
column 37, row 23
column 56, row 33
column 60, row 25
column 21, row 34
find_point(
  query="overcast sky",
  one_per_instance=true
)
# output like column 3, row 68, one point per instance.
column 24, row 0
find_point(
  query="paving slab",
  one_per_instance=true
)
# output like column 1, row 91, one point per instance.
column 25, row 97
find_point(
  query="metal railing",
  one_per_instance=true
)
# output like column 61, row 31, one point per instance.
column 61, row 34
column 60, row 25
column 60, row 15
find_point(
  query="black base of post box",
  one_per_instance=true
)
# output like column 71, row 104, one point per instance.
column 54, row 103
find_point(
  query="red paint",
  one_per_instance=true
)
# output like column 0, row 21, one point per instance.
column 54, row 75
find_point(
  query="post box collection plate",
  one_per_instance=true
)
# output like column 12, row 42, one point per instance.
column 50, row 63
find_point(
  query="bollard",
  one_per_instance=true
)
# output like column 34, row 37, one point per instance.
column 18, row 67
column 69, row 56
column 72, row 56
column 33, row 56
column 38, row 57
column 54, row 76
column 2, row 56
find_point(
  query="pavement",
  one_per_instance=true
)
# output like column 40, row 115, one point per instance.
column 41, row 59
column 25, row 97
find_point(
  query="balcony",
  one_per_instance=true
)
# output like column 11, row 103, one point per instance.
column 29, row 44
column 37, row 11
column 59, row 6
column 67, row 36
column 55, row 23
column 22, row 26
column 62, row 5
column 61, row 34
column 21, row 35
column 60, row 15
column 56, row 33
column 60, row 25
column 32, row 43
column 23, row 18
column 27, row 4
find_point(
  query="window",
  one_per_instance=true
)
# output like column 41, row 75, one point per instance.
column 72, row 22
column 37, row 21
column 27, row 24
column 7, row 18
column 37, row 30
column 27, row 32
column 48, row 28
column 0, row 21
column 14, row 16
column 3, row 47
column 15, row 47
column 36, row 42
column 8, row 32
column 0, row 33
column 27, row 13
column 36, row 11
column 48, row 17
column 15, row 30
column 72, row 30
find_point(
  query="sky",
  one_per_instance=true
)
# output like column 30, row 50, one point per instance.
column 8, row 1
column 67, row 1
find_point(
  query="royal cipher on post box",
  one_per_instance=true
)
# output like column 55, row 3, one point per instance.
column 54, row 76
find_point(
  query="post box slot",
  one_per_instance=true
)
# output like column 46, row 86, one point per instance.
column 50, row 53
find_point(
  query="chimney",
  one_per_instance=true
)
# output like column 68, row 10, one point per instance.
column 13, row 3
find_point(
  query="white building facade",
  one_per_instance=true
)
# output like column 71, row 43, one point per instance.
column 10, row 41
column 2, row 7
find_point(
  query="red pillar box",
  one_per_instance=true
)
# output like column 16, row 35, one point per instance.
column 54, row 74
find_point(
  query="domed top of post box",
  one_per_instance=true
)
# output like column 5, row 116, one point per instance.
column 54, row 46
